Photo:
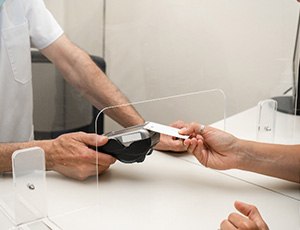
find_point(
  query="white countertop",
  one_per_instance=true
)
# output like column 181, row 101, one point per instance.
column 167, row 191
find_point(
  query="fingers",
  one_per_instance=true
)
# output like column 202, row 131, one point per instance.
column 244, row 208
column 98, row 157
column 226, row 225
column 81, row 170
column 178, row 124
column 71, row 155
column 237, row 221
column 250, row 220
column 189, row 129
column 191, row 144
column 105, row 159
column 92, row 139
column 177, row 145
column 194, row 145
column 252, row 212
column 192, row 129
column 168, row 143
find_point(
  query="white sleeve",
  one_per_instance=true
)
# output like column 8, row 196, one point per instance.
column 43, row 28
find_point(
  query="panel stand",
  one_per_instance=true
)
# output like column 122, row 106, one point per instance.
column 26, row 206
column 266, row 122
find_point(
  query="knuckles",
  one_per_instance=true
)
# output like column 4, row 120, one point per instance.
column 84, row 171
column 223, row 224
column 247, row 225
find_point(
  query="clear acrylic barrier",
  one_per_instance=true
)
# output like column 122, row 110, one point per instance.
column 206, row 106
column 27, row 203
column 151, row 194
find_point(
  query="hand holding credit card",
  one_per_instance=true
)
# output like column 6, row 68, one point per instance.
column 164, row 129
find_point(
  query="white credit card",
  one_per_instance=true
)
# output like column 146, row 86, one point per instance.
column 164, row 129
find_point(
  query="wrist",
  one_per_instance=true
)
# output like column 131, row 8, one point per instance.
column 46, row 145
column 244, row 154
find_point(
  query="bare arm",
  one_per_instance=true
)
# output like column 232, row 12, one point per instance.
column 78, row 69
column 6, row 151
column 217, row 149
column 81, row 72
column 282, row 161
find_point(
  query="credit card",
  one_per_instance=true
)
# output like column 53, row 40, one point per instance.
column 164, row 129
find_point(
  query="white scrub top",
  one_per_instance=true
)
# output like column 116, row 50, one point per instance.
column 22, row 23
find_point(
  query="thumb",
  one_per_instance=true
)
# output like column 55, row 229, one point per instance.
column 188, row 130
column 248, row 210
column 93, row 139
column 183, row 131
column 178, row 124
column 193, row 128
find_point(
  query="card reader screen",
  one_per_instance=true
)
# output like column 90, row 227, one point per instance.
column 131, row 137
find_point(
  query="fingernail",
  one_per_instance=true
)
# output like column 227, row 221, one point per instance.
column 182, row 130
column 102, row 138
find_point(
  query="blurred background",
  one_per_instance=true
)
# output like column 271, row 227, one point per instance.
column 161, row 48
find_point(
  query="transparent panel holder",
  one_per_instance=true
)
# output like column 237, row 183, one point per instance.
column 27, row 202
column 274, row 126
column 25, row 207
column 266, row 123
column 131, row 194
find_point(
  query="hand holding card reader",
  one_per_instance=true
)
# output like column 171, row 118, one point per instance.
column 131, row 144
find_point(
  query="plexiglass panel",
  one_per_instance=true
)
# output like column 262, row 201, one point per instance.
column 134, row 193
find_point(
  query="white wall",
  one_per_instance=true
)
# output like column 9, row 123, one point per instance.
column 244, row 47
column 81, row 21
column 167, row 47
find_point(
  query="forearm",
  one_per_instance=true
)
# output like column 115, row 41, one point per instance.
column 80, row 71
column 101, row 92
column 7, row 149
column 282, row 161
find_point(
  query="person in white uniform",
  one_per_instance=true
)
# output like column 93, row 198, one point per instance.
column 26, row 23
